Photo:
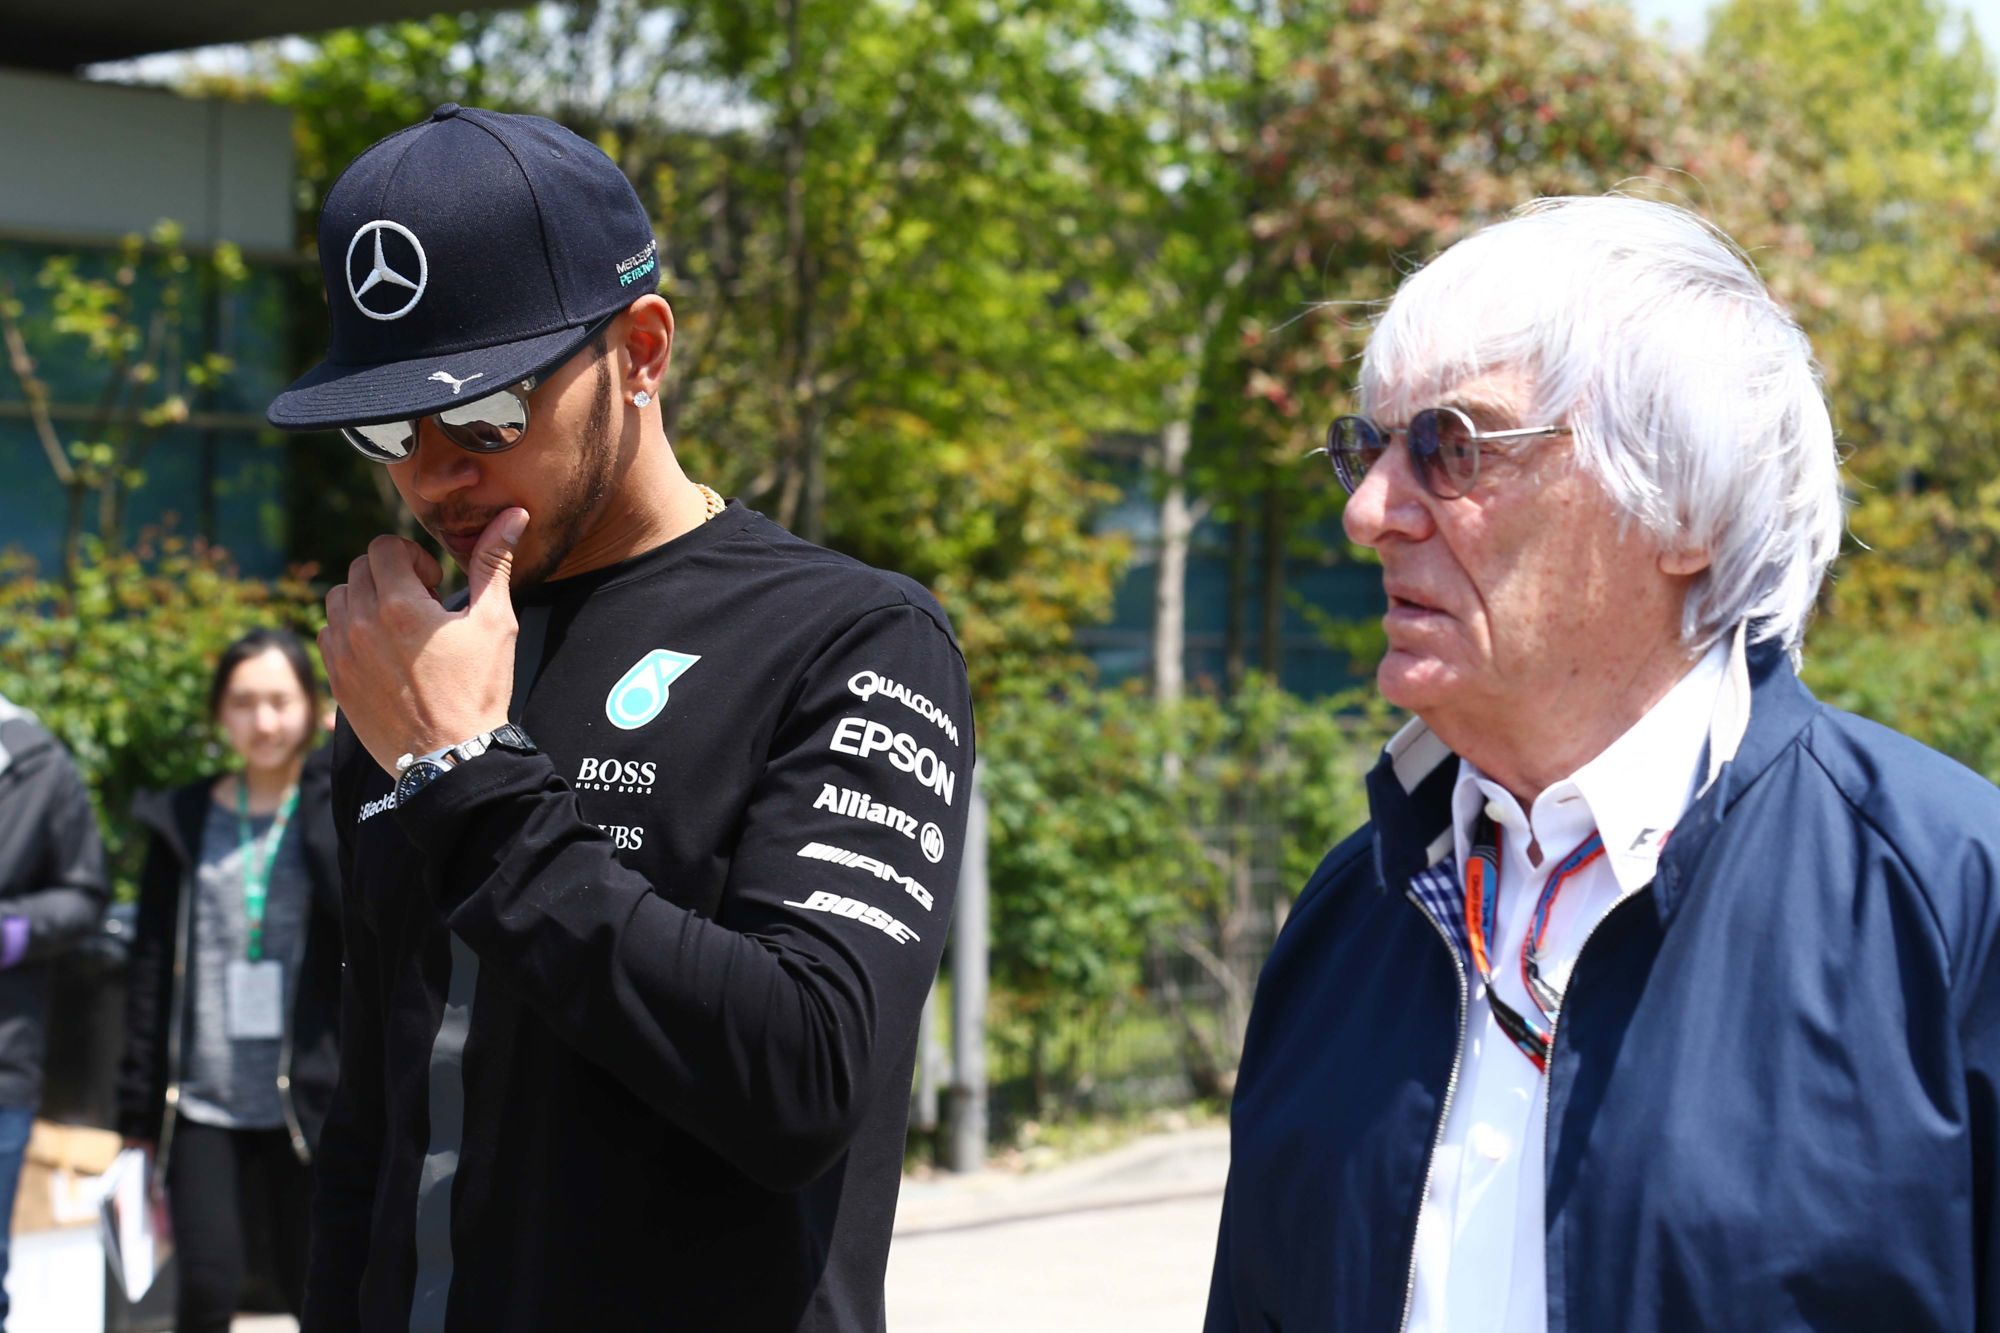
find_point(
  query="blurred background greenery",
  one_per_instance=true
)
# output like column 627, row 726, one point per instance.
column 1042, row 302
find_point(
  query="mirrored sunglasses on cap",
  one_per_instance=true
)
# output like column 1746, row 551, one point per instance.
column 489, row 425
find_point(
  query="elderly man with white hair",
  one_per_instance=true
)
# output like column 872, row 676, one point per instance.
column 1655, row 996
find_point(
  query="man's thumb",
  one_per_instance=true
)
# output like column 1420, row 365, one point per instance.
column 493, row 557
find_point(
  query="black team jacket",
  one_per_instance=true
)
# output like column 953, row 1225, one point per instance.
column 630, row 1021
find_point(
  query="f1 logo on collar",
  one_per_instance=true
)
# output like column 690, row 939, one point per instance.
column 382, row 272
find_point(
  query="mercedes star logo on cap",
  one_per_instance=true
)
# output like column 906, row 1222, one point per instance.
column 384, row 274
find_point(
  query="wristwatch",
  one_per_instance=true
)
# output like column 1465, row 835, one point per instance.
column 418, row 771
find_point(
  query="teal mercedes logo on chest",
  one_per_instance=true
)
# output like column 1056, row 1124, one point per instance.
column 641, row 693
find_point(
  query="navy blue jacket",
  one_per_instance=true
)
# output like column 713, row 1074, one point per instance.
column 1774, row 1100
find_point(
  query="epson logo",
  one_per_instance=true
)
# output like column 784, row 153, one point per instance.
column 623, row 775
column 860, row 737
column 625, row 837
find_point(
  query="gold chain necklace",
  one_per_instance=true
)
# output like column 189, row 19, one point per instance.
column 712, row 503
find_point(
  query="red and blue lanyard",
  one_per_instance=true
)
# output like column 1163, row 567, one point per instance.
column 1482, row 927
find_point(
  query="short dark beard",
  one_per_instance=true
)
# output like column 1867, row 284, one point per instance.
column 571, row 515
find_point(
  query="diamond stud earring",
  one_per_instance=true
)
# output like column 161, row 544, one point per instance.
column 641, row 398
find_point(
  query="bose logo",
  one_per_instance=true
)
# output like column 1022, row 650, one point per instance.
column 856, row 910
column 840, row 856
column 867, row 684
column 860, row 737
column 616, row 775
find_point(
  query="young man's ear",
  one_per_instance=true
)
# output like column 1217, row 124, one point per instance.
column 648, row 344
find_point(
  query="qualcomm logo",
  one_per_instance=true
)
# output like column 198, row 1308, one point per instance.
column 382, row 273
column 641, row 693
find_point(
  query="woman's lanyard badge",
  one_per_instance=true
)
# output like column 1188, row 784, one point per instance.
column 256, row 990
column 1482, row 923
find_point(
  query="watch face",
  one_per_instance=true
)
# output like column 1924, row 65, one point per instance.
column 417, row 777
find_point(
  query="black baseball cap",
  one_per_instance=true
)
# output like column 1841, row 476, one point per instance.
column 476, row 246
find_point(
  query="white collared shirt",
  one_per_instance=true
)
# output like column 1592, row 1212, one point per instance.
column 1479, row 1265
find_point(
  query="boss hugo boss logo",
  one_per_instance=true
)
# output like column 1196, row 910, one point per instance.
column 860, row 737
column 840, row 856
column 868, row 684
column 856, row 910
column 387, row 270
column 641, row 692
column 619, row 775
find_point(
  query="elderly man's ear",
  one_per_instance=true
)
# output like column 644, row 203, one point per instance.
column 1681, row 560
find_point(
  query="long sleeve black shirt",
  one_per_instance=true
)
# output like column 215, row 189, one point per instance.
column 629, row 1023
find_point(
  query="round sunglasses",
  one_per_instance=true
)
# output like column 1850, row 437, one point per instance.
column 1444, row 448
column 489, row 425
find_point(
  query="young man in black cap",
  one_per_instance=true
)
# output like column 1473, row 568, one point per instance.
column 650, row 845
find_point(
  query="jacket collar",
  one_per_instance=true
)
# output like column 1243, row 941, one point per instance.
column 1760, row 711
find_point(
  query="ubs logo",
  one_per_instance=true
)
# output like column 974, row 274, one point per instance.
column 625, row 837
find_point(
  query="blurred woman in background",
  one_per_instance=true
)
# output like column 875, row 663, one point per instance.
column 232, row 1014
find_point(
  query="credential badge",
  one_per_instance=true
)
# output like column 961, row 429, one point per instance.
column 641, row 693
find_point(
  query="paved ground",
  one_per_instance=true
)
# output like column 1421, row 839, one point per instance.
column 1113, row 1244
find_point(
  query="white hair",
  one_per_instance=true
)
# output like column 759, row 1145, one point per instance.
column 1692, row 395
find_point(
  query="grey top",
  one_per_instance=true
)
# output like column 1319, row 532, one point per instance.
column 229, row 1083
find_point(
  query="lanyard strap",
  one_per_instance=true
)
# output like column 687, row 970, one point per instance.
column 1482, row 921
column 259, row 856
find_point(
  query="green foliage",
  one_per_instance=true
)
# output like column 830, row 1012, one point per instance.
column 1879, row 116
column 1103, row 846
column 1937, row 681
column 117, row 663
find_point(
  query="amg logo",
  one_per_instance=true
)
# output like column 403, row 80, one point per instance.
column 856, row 910
column 840, row 856
column 860, row 805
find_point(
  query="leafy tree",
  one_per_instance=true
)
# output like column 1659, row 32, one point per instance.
column 1881, row 117
column 1107, row 864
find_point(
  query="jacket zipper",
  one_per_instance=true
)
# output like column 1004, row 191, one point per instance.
column 291, row 1014
column 1555, row 1030
column 176, row 998
column 1444, row 1110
